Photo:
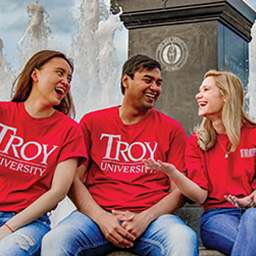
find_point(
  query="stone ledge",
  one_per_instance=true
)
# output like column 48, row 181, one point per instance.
column 202, row 252
column 206, row 252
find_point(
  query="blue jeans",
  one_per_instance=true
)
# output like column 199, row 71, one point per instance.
column 79, row 235
column 230, row 230
column 25, row 240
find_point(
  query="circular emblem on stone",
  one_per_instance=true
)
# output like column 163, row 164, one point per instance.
column 172, row 53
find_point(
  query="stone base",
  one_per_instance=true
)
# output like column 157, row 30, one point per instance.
column 205, row 252
column 202, row 252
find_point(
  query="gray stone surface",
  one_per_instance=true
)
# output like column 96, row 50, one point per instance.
column 180, row 86
column 202, row 252
column 191, row 214
column 235, row 14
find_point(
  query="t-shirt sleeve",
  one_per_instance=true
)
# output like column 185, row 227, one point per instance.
column 73, row 146
column 194, row 162
column 177, row 148
column 84, row 124
column 254, row 183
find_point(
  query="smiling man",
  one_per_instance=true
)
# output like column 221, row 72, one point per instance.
column 121, row 204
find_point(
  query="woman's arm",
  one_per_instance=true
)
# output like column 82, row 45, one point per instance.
column 62, row 180
column 244, row 202
column 186, row 186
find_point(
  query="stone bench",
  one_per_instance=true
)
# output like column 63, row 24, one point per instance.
column 202, row 252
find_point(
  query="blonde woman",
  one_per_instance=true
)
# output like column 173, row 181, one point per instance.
column 220, row 159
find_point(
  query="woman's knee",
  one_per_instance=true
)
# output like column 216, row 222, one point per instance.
column 218, row 238
column 249, row 215
column 58, row 241
column 61, row 235
column 21, row 243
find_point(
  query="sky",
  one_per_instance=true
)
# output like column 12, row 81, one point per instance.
column 64, row 21
column 251, row 3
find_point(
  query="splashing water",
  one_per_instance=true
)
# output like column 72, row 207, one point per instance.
column 6, row 75
column 35, row 36
column 96, row 79
column 97, row 68
column 33, row 39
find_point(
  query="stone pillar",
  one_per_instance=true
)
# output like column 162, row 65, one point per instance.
column 189, row 37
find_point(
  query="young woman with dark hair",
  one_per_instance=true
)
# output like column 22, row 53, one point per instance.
column 40, row 149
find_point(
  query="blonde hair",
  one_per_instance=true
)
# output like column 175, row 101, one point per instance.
column 233, row 115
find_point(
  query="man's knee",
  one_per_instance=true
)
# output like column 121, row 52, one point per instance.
column 176, row 228
column 249, row 217
column 47, row 239
column 175, row 237
column 182, row 235
column 55, row 241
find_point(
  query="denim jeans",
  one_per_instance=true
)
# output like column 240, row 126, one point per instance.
column 25, row 240
column 229, row 230
column 78, row 235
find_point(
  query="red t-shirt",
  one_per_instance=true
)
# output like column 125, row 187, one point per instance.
column 30, row 149
column 117, row 179
column 221, row 176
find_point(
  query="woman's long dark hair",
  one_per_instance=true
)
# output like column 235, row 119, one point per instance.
column 24, row 81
